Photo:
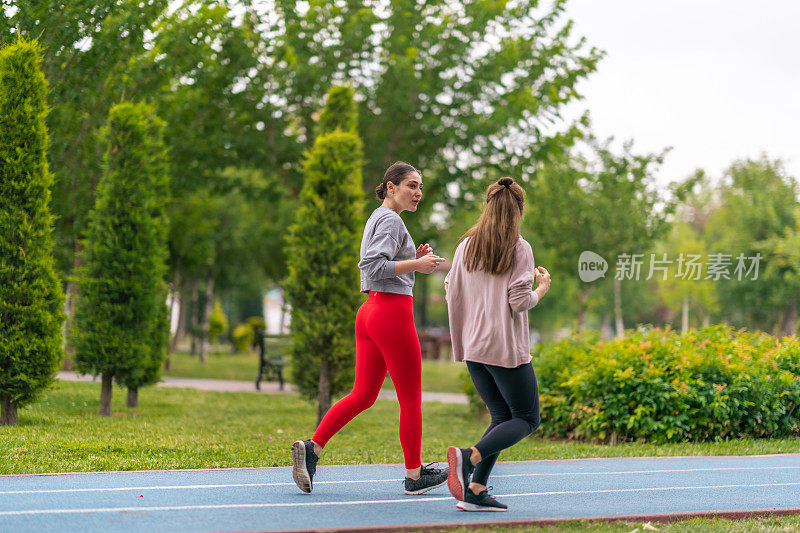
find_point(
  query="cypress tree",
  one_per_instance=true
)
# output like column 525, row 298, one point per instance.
column 323, row 282
column 31, row 298
column 120, row 330
column 160, row 195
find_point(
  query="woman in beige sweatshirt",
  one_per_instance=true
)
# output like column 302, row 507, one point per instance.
column 489, row 291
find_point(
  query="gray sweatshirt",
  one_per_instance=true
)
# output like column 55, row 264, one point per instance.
column 385, row 241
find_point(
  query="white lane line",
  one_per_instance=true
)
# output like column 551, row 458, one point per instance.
column 652, row 471
column 287, row 484
column 371, row 502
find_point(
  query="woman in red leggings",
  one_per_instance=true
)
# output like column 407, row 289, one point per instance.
column 386, row 338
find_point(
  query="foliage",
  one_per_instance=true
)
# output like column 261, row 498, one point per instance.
column 121, row 318
column 757, row 212
column 218, row 322
column 606, row 201
column 322, row 286
column 87, row 46
column 30, row 292
column 243, row 338
column 656, row 385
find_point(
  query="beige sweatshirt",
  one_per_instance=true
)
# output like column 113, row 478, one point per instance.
column 489, row 313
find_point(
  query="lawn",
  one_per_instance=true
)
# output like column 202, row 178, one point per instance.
column 437, row 376
column 761, row 525
column 184, row 428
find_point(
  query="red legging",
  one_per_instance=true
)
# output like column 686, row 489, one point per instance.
column 385, row 339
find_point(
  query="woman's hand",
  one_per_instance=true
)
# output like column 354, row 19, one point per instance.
column 542, row 278
column 423, row 250
column 428, row 263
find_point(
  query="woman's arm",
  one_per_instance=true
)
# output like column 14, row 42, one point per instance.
column 425, row 264
column 521, row 297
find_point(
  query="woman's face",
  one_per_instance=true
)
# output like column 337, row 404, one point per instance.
column 408, row 193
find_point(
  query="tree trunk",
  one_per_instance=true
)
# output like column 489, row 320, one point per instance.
column 174, row 291
column 193, row 316
column 706, row 320
column 133, row 397
column 69, row 308
column 324, row 390
column 685, row 315
column 8, row 412
column 105, row 395
column 69, row 295
column 209, row 307
column 605, row 328
column 582, row 297
column 618, row 308
column 790, row 320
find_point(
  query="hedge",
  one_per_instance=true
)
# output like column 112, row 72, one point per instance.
column 660, row 386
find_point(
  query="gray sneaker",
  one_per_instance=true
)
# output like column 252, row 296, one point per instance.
column 481, row 502
column 429, row 479
column 305, row 464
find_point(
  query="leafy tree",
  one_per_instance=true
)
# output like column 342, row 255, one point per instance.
column 627, row 200
column 230, row 152
column 87, row 46
column 30, row 292
column 680, row 291
column 322, row 247
column 757, row 204
column 460, row 89
column 120, row 318
column 784, row 267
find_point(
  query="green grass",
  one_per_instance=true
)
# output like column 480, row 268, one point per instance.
column 183, row 428
column 437, row 376
column 697, row 525
column 218, row 365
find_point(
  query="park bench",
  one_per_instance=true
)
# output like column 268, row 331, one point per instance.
column 270, row 366
column 432, row 340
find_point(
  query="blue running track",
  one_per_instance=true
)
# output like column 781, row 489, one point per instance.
column 266, row 499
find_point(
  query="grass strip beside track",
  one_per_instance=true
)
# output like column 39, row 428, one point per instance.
column 767, row 524
column 183, row 428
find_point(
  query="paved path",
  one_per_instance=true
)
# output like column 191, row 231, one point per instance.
column 266, row 387
column 347, row 497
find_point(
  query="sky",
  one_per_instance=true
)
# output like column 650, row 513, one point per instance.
column 715, row 80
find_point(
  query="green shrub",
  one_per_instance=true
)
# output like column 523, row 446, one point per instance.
column 243, row 338
column 217, row 322
column 657, row 385
column 256, row 322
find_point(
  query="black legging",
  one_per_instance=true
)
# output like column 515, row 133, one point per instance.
column 512, row 396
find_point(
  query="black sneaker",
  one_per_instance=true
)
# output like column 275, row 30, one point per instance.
column 305, row 464
column 482, row 502
column 460, row 470
column 429, row 479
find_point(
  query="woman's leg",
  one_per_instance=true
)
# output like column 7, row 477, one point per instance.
column 519, row 391
column 370, row 374
column 399, row 344
column 498, row 410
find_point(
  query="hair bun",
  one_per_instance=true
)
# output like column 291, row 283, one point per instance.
column 506, row 182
